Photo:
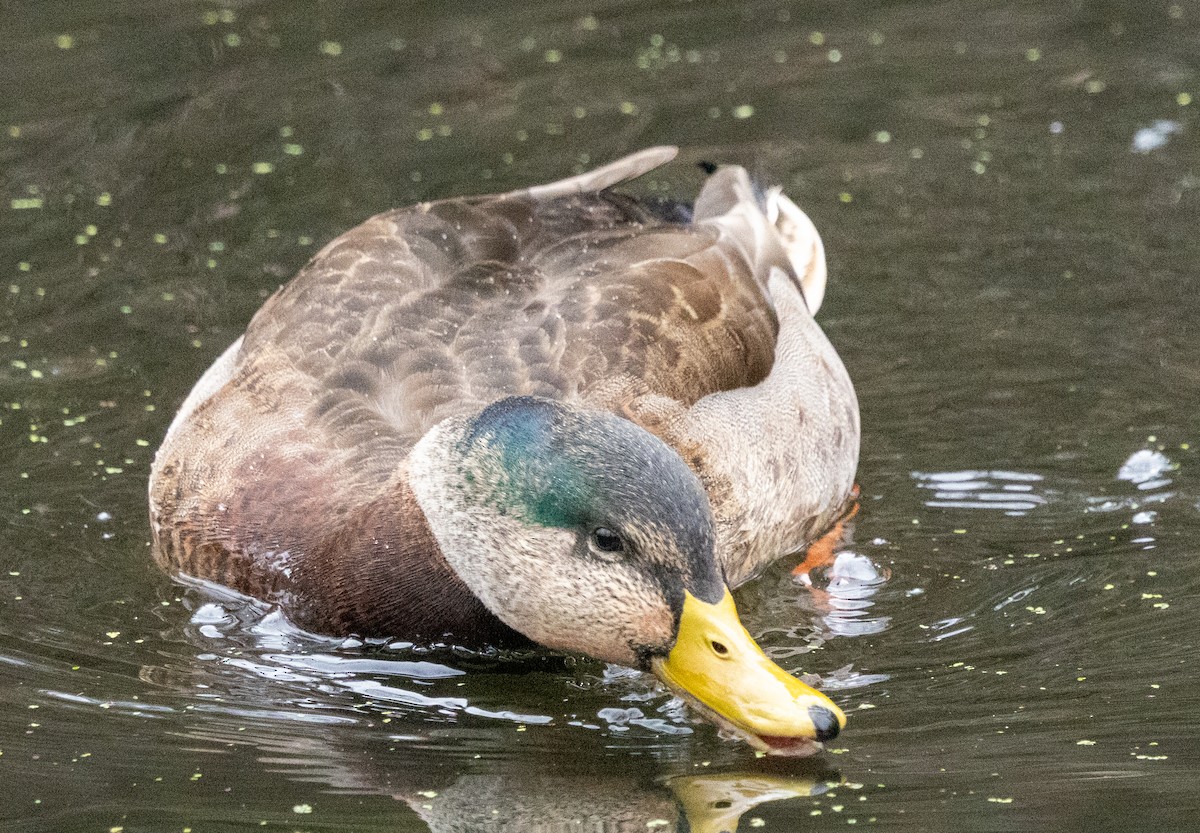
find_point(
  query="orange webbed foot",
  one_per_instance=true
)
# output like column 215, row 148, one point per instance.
column 823, row 551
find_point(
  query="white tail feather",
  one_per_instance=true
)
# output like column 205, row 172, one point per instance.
column 803, row 243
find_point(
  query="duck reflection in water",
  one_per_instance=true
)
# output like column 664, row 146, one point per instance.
column 710, row 803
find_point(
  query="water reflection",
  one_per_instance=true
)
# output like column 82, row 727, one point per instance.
column 454, row 764
column 710, row 803
column 1012, row 492
column 854, row 580
column 718, row 803
column 553, row 791
column 438, row 731
column 1147, row 469
column 1155, row 136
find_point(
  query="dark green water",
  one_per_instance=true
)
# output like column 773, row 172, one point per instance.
column 1014, row 275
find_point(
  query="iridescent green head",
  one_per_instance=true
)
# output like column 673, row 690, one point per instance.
column 623, row 492
column 572, row 526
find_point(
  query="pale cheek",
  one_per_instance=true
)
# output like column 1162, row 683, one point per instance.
column 583, row 607
column 530, row 577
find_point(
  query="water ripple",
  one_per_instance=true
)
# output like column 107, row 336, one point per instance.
column 1012, row 492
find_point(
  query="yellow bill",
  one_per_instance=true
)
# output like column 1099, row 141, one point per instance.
column 720, row 670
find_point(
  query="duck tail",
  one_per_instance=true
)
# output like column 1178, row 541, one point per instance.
column 728, row 186
column 803, row 244
column 729, row 198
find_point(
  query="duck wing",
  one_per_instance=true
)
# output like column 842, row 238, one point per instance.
column 555, row 291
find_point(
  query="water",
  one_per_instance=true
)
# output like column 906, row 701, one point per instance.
column 1009, row 197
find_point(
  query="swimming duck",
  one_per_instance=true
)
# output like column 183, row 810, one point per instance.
column 557, row 415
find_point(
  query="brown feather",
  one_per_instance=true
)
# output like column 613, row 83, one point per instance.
column 287, row 483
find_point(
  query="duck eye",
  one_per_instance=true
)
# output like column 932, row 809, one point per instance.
column 605, row 540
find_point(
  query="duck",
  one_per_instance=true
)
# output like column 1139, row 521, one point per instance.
column 561, row 416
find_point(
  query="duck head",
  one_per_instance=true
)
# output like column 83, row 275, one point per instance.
column 586, row 533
